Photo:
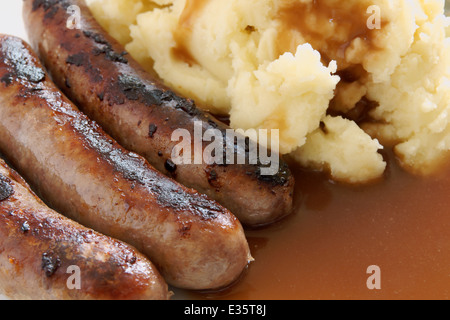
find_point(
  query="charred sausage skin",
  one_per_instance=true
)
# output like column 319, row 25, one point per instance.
column 137, row 110
column 38, row 245
column 83, row 173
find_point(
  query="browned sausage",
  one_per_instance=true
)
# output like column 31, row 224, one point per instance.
column 83, row 173
column 141, row 114
column 40, row 249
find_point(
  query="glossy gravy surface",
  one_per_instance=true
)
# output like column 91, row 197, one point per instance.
column 323, row 251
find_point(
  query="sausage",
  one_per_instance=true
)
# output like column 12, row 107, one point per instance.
column 137, row 110
column 40, row 249
column 84, row 174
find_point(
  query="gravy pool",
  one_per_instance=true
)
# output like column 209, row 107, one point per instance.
column 324, row 249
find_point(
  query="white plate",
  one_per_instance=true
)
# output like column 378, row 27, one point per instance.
column 11, row 21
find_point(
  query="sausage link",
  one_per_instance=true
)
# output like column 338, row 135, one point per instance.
column 137, row 110
column 83, row 173
column 40, row 250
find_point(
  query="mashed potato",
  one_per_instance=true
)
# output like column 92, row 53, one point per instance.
column 335, row 77
column 414, row 103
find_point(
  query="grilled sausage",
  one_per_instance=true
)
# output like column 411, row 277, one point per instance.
column 133, row 106
column 83, row 173
column 40, row 250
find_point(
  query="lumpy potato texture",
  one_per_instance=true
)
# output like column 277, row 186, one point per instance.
column 340, row 80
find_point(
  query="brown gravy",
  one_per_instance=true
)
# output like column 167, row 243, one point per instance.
column 183, row 33
column 324, row 249
column 328, row 25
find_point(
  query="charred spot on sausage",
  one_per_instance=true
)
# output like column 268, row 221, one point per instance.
column 98, row 38
column 7, row 79
column 136, row 90
column 50, row 263
column 82, row 59
column 131, row 260
column 104, row 47
column 281, row 178
column 110, row 54
column 77, row 59
column 171, row 99
column 152, row 130
column 170, row 166
column 185, row 230
column 46, row 4
column 51, row 5
column 211, row 174
column 6, row 189
column 51, row 13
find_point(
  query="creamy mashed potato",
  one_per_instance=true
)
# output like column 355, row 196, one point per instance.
column 335, row 77
column 325, row 151
column 291, row 93
column 414, row 103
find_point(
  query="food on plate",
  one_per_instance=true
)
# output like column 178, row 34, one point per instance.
column 340, row 79
column 139, row 112
column 84, row 174
column 41, row 252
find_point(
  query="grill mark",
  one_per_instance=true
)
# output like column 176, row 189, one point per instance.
column 133, row 167
column 135, row 89
column 50, row 7
column 104, row 47
column 83, row 59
